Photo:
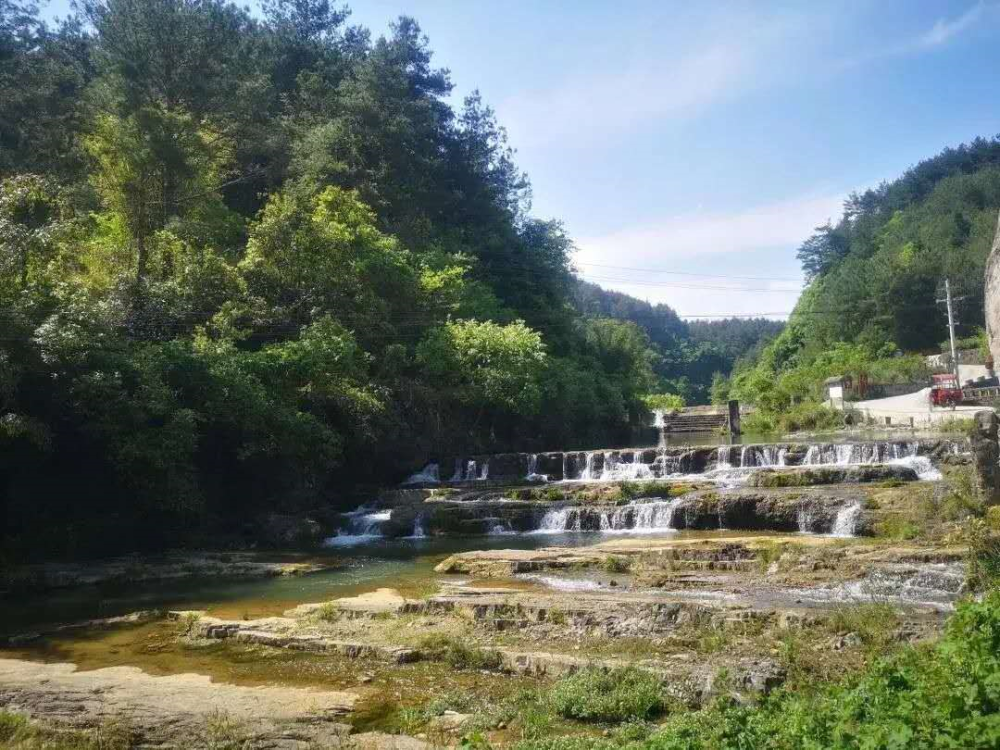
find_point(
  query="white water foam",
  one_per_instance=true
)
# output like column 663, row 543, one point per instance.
column 846, row 522
column 635, row 518
column 533, row 475
column 501, row 529
column 563, row 584
column 418, row 528
column 427, row 475
column 363, row 526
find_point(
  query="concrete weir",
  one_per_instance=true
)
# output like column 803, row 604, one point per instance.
column 665, row 461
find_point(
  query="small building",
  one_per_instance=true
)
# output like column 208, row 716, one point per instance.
column 836, row 390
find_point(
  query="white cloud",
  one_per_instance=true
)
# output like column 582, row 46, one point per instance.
column 627, row 260
column 944, row 29
column 691, row 67
column 941, row 33
column 592, row 108
column 698, row 234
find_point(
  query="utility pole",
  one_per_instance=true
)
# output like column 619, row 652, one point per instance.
column 951, row 329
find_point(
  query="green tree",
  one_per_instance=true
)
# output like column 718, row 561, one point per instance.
column 721, row 388
column 31, row 214
column 486, row 365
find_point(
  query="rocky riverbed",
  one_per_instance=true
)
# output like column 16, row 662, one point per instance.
column 414, row 640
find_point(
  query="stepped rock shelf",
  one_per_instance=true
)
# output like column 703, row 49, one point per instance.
column 666, row 461
column 811, row 488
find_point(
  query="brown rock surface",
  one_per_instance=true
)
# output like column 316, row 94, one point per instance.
column 992, row 296
column 173, row 709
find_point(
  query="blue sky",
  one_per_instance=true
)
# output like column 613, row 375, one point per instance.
column 709, row 138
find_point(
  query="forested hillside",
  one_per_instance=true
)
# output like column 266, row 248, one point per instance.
column 688, row 356
column 875, row 276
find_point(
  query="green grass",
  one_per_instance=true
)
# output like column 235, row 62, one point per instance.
column 766, row 554
column 17, row 733
column 223, row 732
column 984, row 554
column 616, row 564
column 875, row 623
column 608, row 695
column 459, row 655
column 957, row 426
column 941, row 696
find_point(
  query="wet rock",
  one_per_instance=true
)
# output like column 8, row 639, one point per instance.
column 648, row 456
column 169, row 567
column 804, row 477
column 574, row 464
column 278, row 632
column 986, row 450
column 507, row 466
column 992, row 297
column 450, row 721
column 551, row 465
column 957, row 459
column 278, row 530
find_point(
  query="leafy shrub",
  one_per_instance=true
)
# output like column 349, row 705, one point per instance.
column 628, row 490
column 942, row 696
column 808, row 415
column 963, row 500
column 459, row 655
column 614, row 696
column 984, row 554
column 957, row 426
column 663, row 402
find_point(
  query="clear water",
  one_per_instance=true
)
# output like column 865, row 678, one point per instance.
column 406, row 564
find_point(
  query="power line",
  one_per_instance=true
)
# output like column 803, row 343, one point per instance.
column 676, row 285
column 686, row 273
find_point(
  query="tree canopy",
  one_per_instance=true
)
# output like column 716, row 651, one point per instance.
column 248, row 263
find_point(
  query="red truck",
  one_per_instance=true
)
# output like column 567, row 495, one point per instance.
column 945, row 390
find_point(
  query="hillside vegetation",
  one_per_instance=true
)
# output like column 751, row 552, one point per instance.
column 249, row 263
column 875, row 276
column 688, row 357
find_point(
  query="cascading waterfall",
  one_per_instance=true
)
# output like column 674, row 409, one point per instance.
column 558, row 521
column 846, row 454
column 723, row 459
column 418, row 528
column 470, row 471
column 661, row 425
column 500, row 529
column 805, row 520
column 727, row 464
column 427, row 475
column 363, row 525
column 846, row 522
column 843, row 454
column 533, row 475
column 625, row 470
column 649, row 517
